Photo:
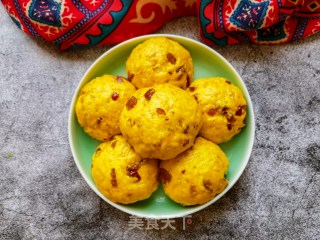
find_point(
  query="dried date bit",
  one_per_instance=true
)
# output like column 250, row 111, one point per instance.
column 208, row 185
column 149, row 93
column 164, row 175
column 192, row 89
column 230, row 118
column 113, row 178
column 114, row 96
column 133, row 171
column 131, row 103
column 240, row 111
column 172, row 59
column 212, row 111
column 225, row 110
column 130, row 76
column 195, row 97
column 188, row 80
column 161, row 111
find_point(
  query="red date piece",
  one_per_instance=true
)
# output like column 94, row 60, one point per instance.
column 130, row 76
column 161, row 111
column 133, row 171
column 149, row 94
column 164, row 175
column 195, row 97
column 113, row 178
column 115, row 96
column 212, row 111
column 192, row 89
column 240, row 110
column 131, row 103
column 172, row 59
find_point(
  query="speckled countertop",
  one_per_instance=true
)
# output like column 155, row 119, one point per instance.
column 43, row 196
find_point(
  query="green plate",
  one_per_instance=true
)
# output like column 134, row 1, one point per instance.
column 207, row 63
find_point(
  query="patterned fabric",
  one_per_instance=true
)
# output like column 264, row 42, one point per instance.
column 76, row 23
column 261, row 21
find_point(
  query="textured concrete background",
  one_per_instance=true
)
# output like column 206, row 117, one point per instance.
column 43, row 196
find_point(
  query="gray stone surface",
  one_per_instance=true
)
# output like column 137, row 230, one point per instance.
column 43, row 196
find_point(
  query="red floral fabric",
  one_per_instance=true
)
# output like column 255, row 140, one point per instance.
column 76, row 23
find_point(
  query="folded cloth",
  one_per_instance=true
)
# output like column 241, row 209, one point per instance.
column 75, row 23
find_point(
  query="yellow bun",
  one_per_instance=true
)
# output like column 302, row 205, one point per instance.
column 99, row 105
column 160, row 122
column 121, row 174
column 196, row 175
column 159, row 60
column 223, row 108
